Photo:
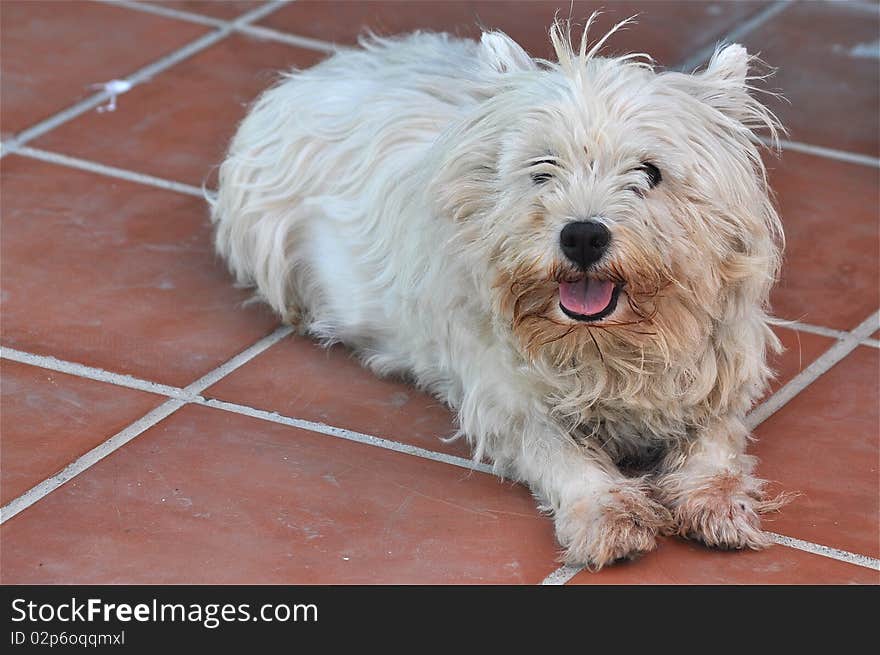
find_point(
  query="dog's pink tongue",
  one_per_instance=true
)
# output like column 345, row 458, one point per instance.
column 585, row 297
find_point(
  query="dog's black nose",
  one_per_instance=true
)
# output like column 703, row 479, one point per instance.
column 584, row 242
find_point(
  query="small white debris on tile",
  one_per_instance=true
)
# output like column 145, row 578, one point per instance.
column 114, row 88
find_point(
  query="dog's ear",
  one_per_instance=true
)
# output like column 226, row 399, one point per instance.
column 725, row 85
column 502, row 54
column 729, row 65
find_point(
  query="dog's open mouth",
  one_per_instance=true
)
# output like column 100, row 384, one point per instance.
column 588, row 298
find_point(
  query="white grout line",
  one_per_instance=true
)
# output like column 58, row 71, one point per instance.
column 813, row 329
column 91, row 373
column 821, row 151
column 562, row 575
column 142, row 424
column 349, row 435
column 54, row 121
column 820, row 365
column 827, row 551
column 98, row 453
column 239, row 360
column 734, row 35
column 167, row 12
column 139, row 76
column 259, row 31
column 110, row 171
column 565, row 573
column 309, row 43
column 823, row 331
column 191, row 394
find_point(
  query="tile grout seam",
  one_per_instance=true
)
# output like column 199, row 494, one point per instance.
column 824, row 362
column 110, row 171
column 139, row 426
column 259, row 31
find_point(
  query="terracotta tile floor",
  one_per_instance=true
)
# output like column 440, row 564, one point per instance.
column 155, row 429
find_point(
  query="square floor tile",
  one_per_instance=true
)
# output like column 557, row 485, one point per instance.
column 826, row 56
column 831, row 272
column 49, row 419
column 212, row 497
column 178, row 125
column 116, row 275
column 53, row 51
column 689, row 563
column 668, row 31
column 825, row 444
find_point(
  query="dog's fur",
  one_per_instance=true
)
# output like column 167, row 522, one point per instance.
column 407, row 199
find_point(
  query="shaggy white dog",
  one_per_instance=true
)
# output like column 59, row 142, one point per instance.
column 574, row 255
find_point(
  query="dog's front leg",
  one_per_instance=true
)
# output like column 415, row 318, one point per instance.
column 600, row 515
column 710, row 489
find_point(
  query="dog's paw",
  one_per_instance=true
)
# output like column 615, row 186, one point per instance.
column 724, row 512
column 621, row 524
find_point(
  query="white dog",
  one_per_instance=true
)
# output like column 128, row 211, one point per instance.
column 574, row 255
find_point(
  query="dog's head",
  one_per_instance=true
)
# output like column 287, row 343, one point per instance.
column 620, row 212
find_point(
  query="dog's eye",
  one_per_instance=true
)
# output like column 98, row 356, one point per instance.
column 542, row 177
column 652, row 172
